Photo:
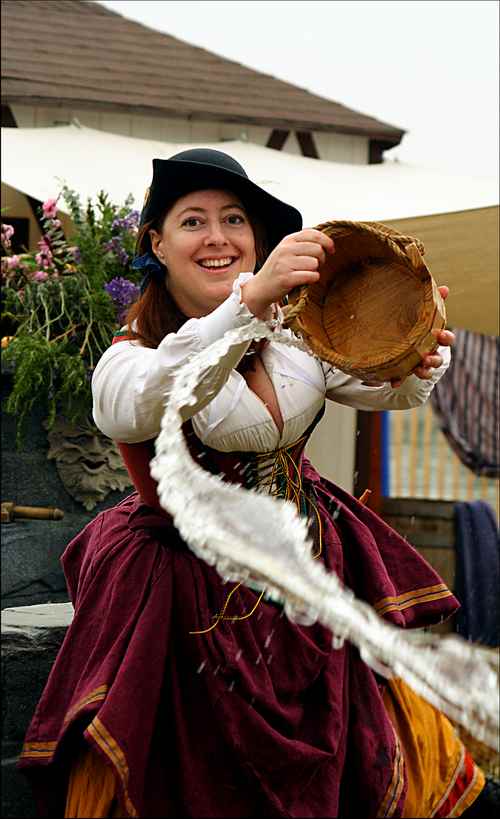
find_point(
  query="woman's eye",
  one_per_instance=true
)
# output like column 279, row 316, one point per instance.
column 191, row 221
column 235, row 219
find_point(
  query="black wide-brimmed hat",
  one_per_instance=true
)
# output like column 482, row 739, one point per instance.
column 203, row 168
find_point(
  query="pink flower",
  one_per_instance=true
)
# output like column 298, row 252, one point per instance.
column 49, row 208
column 44, row 245
column 40, row 276
column 12, row 262
column 44, row 259
column 7, row 233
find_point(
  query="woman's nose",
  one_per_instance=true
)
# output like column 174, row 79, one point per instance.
column 215, row 234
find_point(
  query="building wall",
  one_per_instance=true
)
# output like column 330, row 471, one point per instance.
column 14, row 203
column 332, row 446
column 331, row 147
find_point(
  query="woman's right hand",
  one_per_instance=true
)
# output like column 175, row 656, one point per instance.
column 292, row 263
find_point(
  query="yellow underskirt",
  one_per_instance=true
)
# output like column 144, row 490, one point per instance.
column 431, row 748
column 92, row 789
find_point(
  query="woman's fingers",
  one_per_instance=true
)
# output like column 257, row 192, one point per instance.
column 315, row 236
column 292, row 263
column 434, row 360
column 292, row 279
column 298, row 277
column 423, row 372
column 427, row 365
column 309, row 249
column 444, row 337
column 304, row 263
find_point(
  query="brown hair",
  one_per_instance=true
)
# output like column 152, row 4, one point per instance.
column 156, row 314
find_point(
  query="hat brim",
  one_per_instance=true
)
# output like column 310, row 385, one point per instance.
column 179, row 177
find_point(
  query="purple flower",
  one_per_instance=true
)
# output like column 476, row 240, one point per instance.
column 115, row 246
column 75, row 252
column 128, row 222
column 123, row 293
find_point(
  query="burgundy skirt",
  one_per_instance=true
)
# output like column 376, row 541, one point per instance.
column 256, row 717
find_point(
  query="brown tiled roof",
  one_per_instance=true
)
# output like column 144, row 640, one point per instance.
column 75, row 53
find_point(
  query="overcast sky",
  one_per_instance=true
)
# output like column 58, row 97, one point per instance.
column 430, row 67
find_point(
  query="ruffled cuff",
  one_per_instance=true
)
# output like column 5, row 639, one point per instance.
column 413, row 384
column 276, row 315
column 238, row 283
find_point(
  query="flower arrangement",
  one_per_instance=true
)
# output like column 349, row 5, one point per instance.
column 62, row 304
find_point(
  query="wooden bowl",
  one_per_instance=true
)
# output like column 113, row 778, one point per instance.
column 372, row 311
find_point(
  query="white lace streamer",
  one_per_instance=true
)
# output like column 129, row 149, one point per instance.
column 229, row 526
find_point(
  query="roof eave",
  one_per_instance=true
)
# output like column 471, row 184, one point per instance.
column 392, row 137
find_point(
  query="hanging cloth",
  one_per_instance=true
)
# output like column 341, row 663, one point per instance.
column 478, row 573
column 466, row 402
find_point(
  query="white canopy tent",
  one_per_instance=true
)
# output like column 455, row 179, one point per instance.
column 455, row 216
column 36, row 160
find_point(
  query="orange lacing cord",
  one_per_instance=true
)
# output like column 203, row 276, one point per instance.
column 222, row 616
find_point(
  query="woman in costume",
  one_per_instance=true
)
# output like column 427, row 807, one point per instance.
column 175, row 693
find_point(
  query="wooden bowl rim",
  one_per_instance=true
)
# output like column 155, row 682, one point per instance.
column 427, row 312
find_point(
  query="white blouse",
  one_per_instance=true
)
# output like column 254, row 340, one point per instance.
column 131, row 384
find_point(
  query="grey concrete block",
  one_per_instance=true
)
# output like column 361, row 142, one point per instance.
column 31, row 638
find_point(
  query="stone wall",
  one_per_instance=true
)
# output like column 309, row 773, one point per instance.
column 31, row 549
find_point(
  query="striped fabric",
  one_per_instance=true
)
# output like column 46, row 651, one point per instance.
column 466, row 401
column 412, row 598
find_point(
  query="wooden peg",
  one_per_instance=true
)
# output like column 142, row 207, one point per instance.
column 10, row 512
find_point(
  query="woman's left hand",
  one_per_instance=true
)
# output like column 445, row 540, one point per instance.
column 432, row 361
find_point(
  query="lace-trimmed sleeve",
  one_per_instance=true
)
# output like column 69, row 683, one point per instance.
column 413, row 392
column 131, row 383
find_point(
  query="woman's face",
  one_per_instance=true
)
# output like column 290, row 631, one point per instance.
column 206, row 241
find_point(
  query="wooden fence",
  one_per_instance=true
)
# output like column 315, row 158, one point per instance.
column 423, row 465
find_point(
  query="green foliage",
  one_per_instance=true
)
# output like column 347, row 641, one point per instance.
column 62, row 304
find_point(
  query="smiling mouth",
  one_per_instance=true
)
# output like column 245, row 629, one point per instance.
column 217, row 264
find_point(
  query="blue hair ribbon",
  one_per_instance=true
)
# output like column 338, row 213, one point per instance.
column 151, row 268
